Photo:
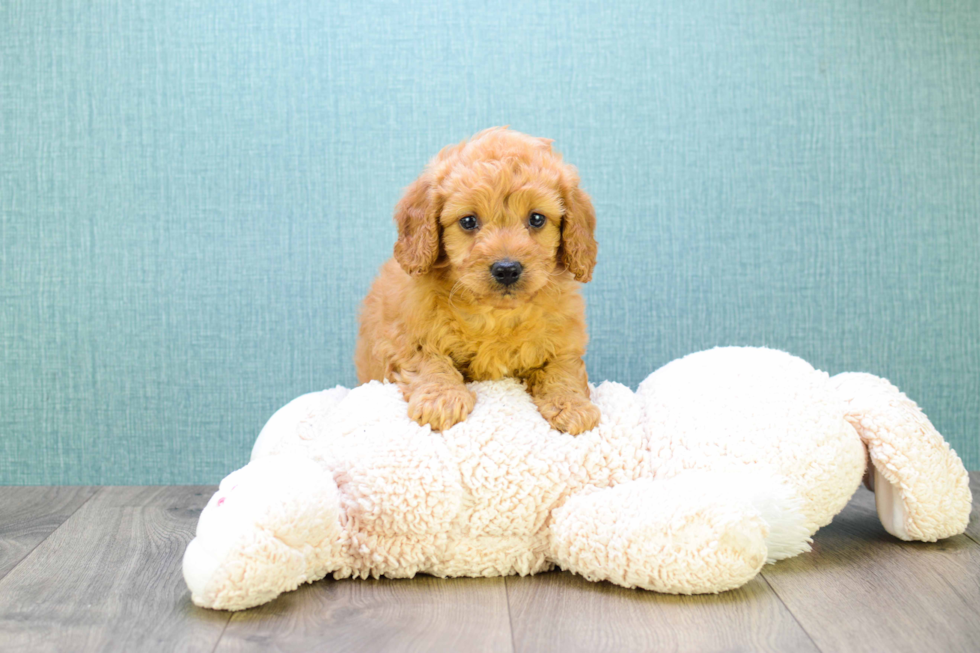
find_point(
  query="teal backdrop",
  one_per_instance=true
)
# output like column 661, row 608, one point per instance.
column 194, row 197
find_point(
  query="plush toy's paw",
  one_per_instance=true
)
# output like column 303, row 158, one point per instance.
column 676, row 536
column 571, row 413
column 440, row 405
column 922, row 489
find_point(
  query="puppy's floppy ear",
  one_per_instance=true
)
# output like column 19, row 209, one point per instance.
column 578, row 244
column 417, row 217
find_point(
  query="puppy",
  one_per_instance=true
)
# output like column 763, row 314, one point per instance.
column 493, row 240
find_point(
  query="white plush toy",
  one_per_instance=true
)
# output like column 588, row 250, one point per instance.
column 720, row 462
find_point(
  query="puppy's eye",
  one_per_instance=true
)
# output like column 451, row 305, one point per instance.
column 537, row 220
column 469, row 223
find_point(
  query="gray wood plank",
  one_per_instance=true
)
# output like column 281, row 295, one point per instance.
column 420, row 614
column 30, row 514
column 863, row 590
column 973, row 528
column 563, row 612
column 109, row 579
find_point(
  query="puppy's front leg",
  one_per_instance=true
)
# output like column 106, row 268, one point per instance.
column 435, row 392
column 561, row 392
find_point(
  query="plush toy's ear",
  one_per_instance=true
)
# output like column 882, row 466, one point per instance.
column 417, row 217
column 578, row 245
column 922, row 490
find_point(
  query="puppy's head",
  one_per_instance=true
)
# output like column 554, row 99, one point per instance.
column 500, row 215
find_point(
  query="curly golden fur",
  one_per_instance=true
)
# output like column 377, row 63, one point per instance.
column 437, row 316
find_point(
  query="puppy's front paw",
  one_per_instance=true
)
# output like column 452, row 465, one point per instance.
column 439, row 405
column 571, row 413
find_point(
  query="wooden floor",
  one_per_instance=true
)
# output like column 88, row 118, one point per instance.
column 98, row 569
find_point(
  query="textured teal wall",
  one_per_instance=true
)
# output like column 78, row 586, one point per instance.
column 194, row 198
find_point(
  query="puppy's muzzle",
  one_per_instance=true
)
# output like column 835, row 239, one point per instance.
column 507, row 271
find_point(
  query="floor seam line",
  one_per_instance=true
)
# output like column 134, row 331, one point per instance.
column 222, row 635
column 98, row 490
column 790, row 611
column 510, row 616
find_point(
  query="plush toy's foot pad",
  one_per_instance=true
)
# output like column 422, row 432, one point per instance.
column 922, row 489
column 890, row 506
column 673, row 536
column 270, row 527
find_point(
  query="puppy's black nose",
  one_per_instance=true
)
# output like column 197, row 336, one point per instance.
column 506, row 271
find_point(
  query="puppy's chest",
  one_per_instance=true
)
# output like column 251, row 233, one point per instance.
column 485, row 352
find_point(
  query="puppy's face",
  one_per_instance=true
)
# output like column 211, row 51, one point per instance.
column 499, row 216
column 501, row 229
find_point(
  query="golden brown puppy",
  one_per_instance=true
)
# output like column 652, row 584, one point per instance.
column 493, row 238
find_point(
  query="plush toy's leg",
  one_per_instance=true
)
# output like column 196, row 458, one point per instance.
column 921, row 488
column 271, row 526
column 697, row 533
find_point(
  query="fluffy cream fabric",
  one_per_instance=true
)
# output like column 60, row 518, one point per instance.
column 719, row 462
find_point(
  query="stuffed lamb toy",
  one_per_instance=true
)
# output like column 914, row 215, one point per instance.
column 720, row 462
